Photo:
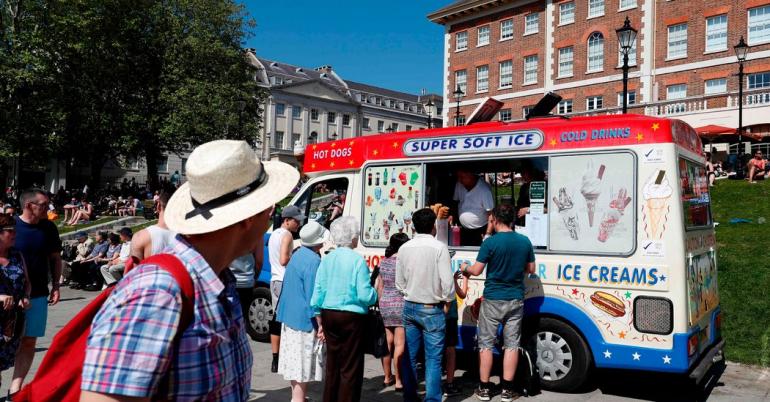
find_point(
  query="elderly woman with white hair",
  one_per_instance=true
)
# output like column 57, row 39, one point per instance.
column 343, row 294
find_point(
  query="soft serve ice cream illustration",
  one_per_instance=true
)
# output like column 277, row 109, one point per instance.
column 591, row 188
column 656, row 192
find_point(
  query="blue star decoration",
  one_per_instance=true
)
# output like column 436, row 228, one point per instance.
column 663, row 278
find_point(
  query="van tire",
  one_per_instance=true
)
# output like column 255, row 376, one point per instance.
column 563, row 359
column 259, row 314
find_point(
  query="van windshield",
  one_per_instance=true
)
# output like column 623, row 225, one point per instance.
column 696, row 202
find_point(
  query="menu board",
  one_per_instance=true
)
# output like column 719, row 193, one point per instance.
column 391, row 195
column 591, row 207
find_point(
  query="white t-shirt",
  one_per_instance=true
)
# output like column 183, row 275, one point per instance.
column 274, row 254
column 474, row 204
column 125, row 251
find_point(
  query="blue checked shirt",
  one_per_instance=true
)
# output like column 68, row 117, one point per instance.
column 130, row 349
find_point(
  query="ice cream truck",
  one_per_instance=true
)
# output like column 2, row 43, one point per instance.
column 616, row 207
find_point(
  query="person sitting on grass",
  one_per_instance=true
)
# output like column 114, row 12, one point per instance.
column 83, row 213
column 757, row 167
column 70, row 210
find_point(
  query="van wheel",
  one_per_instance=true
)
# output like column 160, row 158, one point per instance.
column 563, row 358
column 259, row 315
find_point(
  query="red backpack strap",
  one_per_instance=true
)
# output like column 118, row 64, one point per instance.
column 174, row 266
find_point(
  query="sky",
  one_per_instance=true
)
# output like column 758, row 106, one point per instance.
column 385, row 43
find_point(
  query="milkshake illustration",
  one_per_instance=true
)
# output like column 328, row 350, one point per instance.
column 567, row 212
column 608, row 223
column 656, row 193
column 591, row 188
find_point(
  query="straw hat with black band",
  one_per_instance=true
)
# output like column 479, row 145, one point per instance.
column 226, row 184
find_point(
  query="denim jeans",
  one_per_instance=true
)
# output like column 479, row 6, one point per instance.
column 424, row 325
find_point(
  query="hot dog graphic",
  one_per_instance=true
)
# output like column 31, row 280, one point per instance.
column 608, row 303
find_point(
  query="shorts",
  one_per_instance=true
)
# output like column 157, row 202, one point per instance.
column 450, row 338
column 275, row 292
column 36, row 317
column 509, row 313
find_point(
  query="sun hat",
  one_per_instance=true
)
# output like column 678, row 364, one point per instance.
column 313, row 234
column 226, row 183
column 293, row 212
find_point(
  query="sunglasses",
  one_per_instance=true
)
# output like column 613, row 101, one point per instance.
column 8, row 229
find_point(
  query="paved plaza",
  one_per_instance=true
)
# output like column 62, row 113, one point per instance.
column 737, row 383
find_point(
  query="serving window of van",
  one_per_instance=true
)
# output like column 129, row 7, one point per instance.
column 573, row 203
column 696, row 203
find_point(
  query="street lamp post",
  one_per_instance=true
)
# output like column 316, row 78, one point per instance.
column 458, row 93
column 429, row 106
column 741, row 51
column 626, row 40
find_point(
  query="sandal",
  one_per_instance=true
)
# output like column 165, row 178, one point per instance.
column 386, row 384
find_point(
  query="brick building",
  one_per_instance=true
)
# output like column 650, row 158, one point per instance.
column 683, row 64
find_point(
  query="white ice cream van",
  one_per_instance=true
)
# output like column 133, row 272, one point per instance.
column 618, row 213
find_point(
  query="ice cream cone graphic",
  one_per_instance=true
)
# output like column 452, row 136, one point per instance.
column 591, row 188
column 657, row 192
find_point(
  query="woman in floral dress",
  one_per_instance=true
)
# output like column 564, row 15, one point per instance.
column 14, row 293
column 391, row 308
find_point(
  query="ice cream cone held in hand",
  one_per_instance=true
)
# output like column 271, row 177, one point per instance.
column 657, row 192
column 591, row 188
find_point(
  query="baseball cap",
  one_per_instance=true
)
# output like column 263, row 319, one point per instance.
column 293, row 212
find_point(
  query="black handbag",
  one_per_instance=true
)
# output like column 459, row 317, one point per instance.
column 375, row 341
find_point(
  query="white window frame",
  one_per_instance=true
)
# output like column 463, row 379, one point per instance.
column 565, row 104
column 715, row 86
column 530, row 70
column 716, row 32
column 506, row 113
column 461, row 41
column 594, row 103
column 631, row 98
column 347, row 117
column 567, row 13
column 279, row 135
column 280, row 109
column 482, row 78
column 678, row 39
column 629, row 4
column 676, row 94
column 380, row 126
column 530, row 20
column 525, row 110
column 365, row 123
column 463, row 83
column 506, row 74
column 296, row 112
column 593, row 5
column 331, row 117
column 483, row 40
column 758, row 25
column 506, row 25
column 563, row 63
column 315, row 115
column 595, row 51
column 765, row 82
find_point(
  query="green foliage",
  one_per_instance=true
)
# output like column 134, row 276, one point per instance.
column 92, row 80
column 744, row 270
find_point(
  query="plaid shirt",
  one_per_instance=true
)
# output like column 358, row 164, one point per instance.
column 130, row 348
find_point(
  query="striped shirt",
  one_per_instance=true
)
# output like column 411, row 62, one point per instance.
column 130, row 349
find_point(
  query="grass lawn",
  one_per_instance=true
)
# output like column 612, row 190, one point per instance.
column 744, row 268
column 137, row 228
column 67, row 228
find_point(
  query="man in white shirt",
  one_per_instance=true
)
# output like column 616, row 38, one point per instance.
column 279, row 249
column 113, row 270
column 475, row 202
column 424, row 276
column 153, row 239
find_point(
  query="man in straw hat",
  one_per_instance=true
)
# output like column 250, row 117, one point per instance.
column 220, row 213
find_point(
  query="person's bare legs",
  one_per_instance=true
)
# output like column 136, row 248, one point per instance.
column 298, row 391
column 510, row 361
column 386, row 360
column 399, row 339
column 23, row 362
column 451, row 364
column 75, row 218
column 752, row 168
column 485, row 365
